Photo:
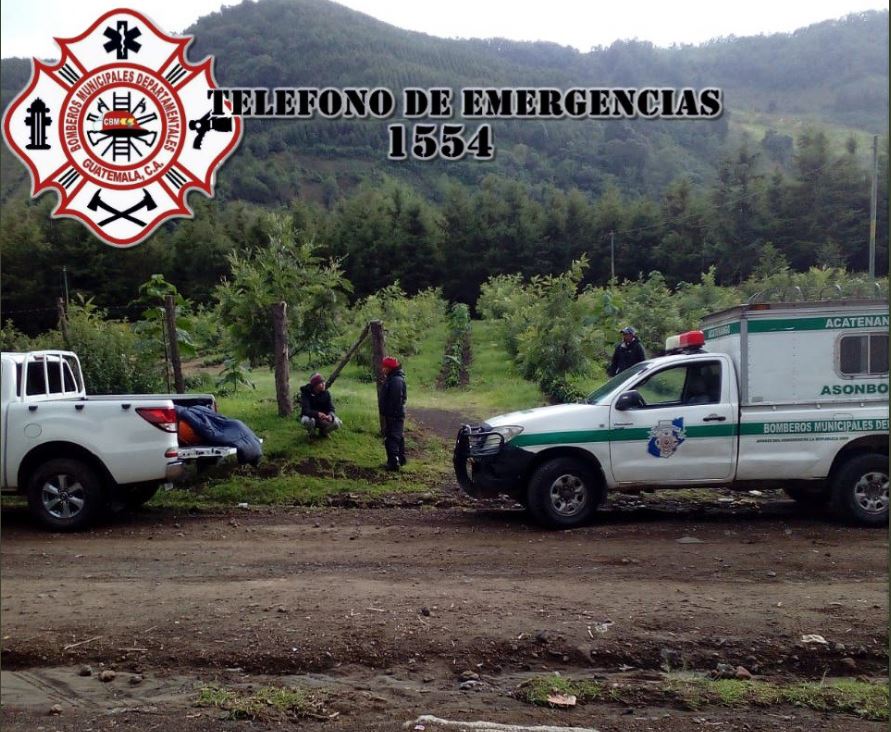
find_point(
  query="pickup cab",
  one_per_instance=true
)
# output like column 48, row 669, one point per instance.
column 786, row 395
column 72, row 455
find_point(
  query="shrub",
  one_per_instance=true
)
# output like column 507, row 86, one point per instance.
column 406, row 320
column 454, row 367
column 113, row 359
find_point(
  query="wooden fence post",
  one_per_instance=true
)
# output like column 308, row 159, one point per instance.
column 175, row 361
column 347, row 356
column 63, row 322
column 376, row 328
column 282, row 365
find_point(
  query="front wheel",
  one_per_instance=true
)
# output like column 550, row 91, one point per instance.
column 563, row 493
column 65, row 494
column 860, row 490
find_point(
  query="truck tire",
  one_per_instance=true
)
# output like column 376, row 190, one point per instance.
column 563, row 493
column 65, row 494
column 860, row 490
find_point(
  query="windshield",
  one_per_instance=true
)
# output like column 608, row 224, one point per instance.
column 595, row 396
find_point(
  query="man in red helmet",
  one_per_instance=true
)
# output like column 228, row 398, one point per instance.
column 393, row 396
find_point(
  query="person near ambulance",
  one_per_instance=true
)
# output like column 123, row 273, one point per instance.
column 317, row 408
column 629, row 352
column 393, row 396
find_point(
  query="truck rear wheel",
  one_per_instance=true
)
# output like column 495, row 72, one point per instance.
column 860, row 490
column 563, row 493
column 65, row 494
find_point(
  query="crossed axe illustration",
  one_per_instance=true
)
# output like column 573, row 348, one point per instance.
column 147, row 203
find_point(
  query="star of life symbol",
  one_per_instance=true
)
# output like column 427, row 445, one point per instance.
column 121, row 128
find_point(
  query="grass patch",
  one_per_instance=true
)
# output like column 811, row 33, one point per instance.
column 864, row 699
column 267, row 703
column 536, row 691
column 299, row 470
column 849, row 696
column 495, row 385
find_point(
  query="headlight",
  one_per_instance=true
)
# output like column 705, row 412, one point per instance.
column 508, row 431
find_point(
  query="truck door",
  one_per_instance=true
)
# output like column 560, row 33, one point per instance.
column 684, row 431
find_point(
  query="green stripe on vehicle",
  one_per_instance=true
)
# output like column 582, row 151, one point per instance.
column 782, row 325
column 719, row 331
column 561, row 438
column 617, row 435
column 576, row 437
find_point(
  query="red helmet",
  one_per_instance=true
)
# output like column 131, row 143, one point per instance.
column 390, row 362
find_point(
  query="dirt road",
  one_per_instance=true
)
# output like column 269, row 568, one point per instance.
column 385, row 609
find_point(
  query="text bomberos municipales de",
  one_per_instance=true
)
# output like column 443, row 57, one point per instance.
column 454, row 141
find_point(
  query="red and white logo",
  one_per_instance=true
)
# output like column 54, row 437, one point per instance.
column 122, row 127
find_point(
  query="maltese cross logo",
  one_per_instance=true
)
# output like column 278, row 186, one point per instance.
column 121, row 127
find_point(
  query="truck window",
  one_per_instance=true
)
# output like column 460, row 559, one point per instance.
column 596, row 396
column 863, row 355
column 664, row 387
column 70, row 382
column 36, row 381
column 54, row 371
column 698, row 383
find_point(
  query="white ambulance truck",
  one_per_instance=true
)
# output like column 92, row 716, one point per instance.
column 791, row 395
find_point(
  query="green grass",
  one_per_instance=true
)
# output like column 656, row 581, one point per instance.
column 267, row 703
column 850, row 696
column 536, row 691
column 297, row 470
column 864, row 699
column 495, row 386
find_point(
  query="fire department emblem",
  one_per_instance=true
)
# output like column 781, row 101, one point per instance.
column 666, row 437
column 121, row 127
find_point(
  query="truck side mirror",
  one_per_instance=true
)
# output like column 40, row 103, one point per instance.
column 630, row 400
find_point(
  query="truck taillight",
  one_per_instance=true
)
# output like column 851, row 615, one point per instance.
column 164, row 418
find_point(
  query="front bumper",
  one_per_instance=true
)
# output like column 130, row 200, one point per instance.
column 486, row 466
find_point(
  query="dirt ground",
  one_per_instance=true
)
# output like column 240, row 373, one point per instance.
column 397, row 610
column 386, row 608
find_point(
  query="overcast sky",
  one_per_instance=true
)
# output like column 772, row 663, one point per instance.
column 28, row 26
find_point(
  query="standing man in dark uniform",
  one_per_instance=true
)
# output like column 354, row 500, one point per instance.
column 629, row 352
column 393, row 396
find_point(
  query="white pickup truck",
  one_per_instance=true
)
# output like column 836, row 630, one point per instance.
column 787, row 395
column 72, row 454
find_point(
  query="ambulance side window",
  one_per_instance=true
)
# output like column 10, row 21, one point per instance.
column 863, row 355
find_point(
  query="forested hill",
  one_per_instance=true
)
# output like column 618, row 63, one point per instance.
column 835, row 71
column 833, row 74
column 781, row 179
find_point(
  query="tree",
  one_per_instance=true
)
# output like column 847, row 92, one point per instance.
column 153, row 328
column 286, row 270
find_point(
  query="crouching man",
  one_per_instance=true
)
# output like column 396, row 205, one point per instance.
column 317, row 408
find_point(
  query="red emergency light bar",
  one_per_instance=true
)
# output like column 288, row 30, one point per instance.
column 684, row 341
